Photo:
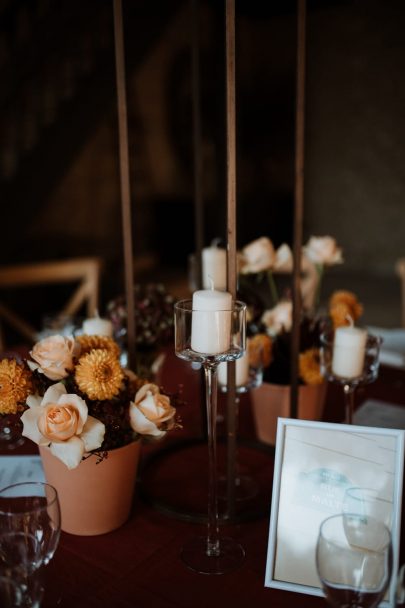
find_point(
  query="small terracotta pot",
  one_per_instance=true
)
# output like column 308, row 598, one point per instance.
column 94, row 498
column 272, row 401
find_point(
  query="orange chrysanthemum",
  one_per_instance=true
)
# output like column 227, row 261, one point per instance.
column 260, row 350
column 89, row 343
column 309, row 366
column 343, row 306
column 15, row 386
column 99, row 374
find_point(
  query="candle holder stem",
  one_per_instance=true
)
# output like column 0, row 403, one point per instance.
column 211, row 381
column 348, row 391
column 211, row 554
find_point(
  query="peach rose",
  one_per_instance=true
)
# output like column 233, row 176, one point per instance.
column 284, row 259
column 257, row 256
column 61, row 421
column 323, row 250
column 151, row 413
column 279, row 318
column 53, row 356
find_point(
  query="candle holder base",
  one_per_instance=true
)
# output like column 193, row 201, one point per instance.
column 165, row 471
column 196, row 555
column 246, row 488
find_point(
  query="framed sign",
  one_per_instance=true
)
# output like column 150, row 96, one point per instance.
column 316, row 463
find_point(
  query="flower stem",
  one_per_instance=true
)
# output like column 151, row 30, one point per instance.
column 320, row 269
column 272, row 286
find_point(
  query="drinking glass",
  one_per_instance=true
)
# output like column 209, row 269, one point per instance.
column 368, row 501
column 29, row 535
column 10, row 431
column 212, row 554
column 354, row 560
column 10, row 593
column 368, row 374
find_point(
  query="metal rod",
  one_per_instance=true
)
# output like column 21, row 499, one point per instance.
column 198, row 191
column 298, row 203
column 125, row 180
column 231, row 239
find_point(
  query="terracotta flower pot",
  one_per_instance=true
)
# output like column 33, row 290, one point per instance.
column 94, row 498
column 272, row 401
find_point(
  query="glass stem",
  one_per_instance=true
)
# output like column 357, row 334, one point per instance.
column 349, row 403
column 210, row 373
column 237, row 476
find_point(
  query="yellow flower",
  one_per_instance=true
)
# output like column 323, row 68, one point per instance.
column 88, row 343
column 99, row 374
column 15, row 386
column 309, row 367
column 344, row 305
column 260, row 350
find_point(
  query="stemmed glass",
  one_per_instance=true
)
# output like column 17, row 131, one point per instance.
column 367, row 374
column 10, row 431
column 354, row 560
column 366, row 502
column 29, row 535
column 212, row 554
column 247, row 376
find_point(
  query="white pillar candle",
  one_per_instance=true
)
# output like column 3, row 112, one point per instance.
column 96, row 326
column 241, row 371
column 211, row 321
column 214, row 268
column 349, row 350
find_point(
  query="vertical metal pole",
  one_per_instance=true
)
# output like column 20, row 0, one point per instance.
column 198, row 192
column 298, row 203
column 231, row 239
column 125, row 179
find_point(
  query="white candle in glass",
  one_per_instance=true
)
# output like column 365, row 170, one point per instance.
column 211, row 321
column 349, row 349
column 214, row 267
column 241, row 371
column 96, row 326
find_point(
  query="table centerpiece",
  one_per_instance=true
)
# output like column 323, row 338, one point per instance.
column 87, row 413
column 270, row 317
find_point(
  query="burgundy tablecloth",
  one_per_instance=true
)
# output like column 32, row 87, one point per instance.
column 139, row 564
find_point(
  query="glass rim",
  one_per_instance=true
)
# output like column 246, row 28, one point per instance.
column 187, row 306
column 360, row 517
column 41, row 484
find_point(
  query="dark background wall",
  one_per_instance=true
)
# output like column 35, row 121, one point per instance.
column 355, row 139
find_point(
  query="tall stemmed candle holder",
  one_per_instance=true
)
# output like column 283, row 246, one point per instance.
column 247, row 377
column 210, row 329
column 350, row 357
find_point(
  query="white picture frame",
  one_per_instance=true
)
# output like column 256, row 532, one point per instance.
column 314, row 463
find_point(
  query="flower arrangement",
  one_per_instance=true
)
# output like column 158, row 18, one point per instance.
column 270, row 316
column 154, row 322
column 73, row 395
column 153, row 315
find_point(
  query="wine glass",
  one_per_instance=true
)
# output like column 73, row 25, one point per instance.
column 354, row 560
column 367, row 372
column 29, row 535
column 10, row 593
column 210, row 337
column 10, row 431
column 368, row 501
